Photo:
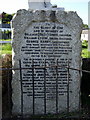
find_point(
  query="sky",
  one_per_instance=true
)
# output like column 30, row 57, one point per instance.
column 80, row 6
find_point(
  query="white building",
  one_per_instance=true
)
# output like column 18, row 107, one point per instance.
column 84, row 35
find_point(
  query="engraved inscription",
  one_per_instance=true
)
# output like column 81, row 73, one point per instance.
column 47, row 41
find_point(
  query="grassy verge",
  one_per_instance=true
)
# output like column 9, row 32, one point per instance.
column 5, row 48
column 5, row 39
column 85, row 53
column 5, row 52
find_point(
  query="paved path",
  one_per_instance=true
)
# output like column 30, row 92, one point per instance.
column 5, row 41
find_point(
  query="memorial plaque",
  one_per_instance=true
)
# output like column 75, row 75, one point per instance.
column 40, row 36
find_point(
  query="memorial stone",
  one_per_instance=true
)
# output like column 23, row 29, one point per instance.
column 46, row 35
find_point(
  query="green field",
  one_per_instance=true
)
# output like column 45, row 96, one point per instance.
column 5, row 40
column 5, row 48
column 85, row 53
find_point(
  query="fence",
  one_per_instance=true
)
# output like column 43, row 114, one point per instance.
column 6, row 34
column 44, row 68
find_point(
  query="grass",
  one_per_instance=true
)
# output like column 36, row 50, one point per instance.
column 5, row 48
column 5, row 52
column 5, row 39
column 84, row 44
column 85, row 53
